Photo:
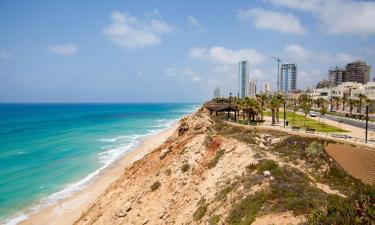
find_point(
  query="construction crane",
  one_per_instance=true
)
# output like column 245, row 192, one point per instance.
column 278, row 70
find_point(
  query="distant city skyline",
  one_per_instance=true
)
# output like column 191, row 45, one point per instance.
column 138, row 51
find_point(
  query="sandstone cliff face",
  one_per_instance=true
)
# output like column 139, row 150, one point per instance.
column 211, row 173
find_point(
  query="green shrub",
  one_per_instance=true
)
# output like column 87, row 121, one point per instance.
column 269, row 165
column 155, row 186
column 201, row 210
column 223, row 193
column 185, row 167
column 357, row 209
column 246, row 211
column 215, row 160
column 314, row 149
column 214, row 220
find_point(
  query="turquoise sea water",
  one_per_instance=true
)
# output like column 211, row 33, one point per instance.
column 48, row 151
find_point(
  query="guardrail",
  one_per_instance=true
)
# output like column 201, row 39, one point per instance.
column 311, row 131
column 326, row 134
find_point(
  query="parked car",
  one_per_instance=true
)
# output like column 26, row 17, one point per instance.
column 312, row 114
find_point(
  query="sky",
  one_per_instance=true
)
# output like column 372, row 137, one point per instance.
column 172, row 51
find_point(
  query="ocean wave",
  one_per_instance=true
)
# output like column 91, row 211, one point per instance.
column 17, row 219
column 106, row 158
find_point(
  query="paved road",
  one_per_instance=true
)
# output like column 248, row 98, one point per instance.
column 355, row 123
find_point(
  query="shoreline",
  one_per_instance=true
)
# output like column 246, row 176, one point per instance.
column 70, row 208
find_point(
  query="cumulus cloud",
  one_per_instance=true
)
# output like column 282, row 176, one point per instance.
column 338, row 16
column 63, row 49
column 273, row 20
column 131, row 32
column 183, row 74
column 5, row 54
column 297, row 52
column 340, row 58
column 227, row 56
column 193, row 22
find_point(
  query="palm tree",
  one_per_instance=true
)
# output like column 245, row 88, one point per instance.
column 352, row 103
column 362, row 97
column 252, row 106
column 274, row 104
column 337, row 101
column 306, row 107
column 241, row 106
column 344, row 99
column 280, row 98
column 262, row 98
column 323, row 111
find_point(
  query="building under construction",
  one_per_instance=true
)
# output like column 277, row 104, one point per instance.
column 357, row 71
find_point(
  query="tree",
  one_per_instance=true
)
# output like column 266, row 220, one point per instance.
column 362, row 98
column 241, row 106
column 323, row 111
column 280, row 99
column 306, row 107
column 274, row 104
column 262, row 99
column 344, row 99
column 351, row 103
column 252, row 107
column 337, row 101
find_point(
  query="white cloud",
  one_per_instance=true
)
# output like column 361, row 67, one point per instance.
column 183, row 74
column 273, row 20
column 63, row 49
column 171, row 72
column 5, row 54
column 338, row 16
column 337, row 58
column 193, row 22
column 297, row 52
column 132, row 32
column 227, row 56
column 191, row 75
column 345, row 57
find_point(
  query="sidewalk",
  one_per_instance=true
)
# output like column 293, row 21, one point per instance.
column 357, row 134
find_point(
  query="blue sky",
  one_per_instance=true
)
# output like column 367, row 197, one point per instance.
column 171, row 51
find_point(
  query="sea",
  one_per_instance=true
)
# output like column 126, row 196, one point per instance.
column 50, row 151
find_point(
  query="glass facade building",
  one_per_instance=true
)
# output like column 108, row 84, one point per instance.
column 288, row 77
column 243, row 78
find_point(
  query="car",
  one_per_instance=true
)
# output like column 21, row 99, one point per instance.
column 312, row 114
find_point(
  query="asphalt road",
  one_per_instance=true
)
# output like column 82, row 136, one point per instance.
column 355, row 123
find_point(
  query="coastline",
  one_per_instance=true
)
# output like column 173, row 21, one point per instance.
column 69, row 209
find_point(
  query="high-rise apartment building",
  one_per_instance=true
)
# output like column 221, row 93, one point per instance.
column 336, row 76
column 252, row 88
column 288, row 77
column 217, row 92
column 266, row 88
column 357, row 71
column 243, row 78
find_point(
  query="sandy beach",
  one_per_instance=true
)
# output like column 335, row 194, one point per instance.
column 70, row 209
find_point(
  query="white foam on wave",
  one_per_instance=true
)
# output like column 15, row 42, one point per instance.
column 106, row 158
column 17, row 219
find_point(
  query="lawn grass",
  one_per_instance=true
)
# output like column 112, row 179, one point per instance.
column 299, row 121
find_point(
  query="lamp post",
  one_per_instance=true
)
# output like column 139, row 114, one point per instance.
column 284, row 113
column 366, row 122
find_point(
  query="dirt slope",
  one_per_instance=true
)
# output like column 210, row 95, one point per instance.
column 211, row 173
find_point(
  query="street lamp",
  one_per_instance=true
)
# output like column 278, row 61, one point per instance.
column 366, row 122
column 284, row 113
